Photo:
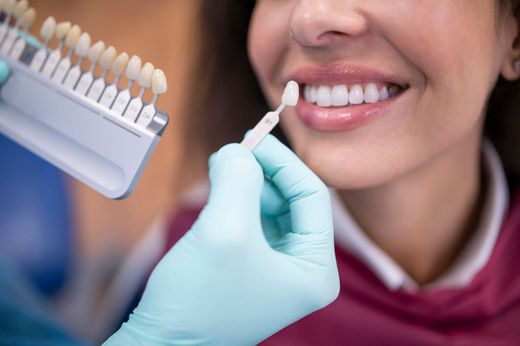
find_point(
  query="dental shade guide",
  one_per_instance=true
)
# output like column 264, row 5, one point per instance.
column 44, row 107
column 290, row 98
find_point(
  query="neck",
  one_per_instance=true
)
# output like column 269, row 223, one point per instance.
column 423, row 219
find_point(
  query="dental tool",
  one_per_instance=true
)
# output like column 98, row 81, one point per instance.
column 58, row 122
column 46, row 32
column 26, row 21
column 290, row 98
column 159, row 86
column 64, row 65
column 12, row 34
column 87, row 78
column 106, row 60
column 110, row 93
column 62, row 31
column 132, row 74
column 81, row 49
column 145, row 81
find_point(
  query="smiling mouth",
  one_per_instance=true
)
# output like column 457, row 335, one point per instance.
column 342, row 95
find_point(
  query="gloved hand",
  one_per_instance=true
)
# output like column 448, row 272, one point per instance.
column 233, row 279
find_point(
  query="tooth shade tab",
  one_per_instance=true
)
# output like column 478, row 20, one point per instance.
column 48, row 29
column 73, row 36
column 291, row 94
column 96, row 51
column 120, row 64
column 62, row 29
column 20, row 7
column 107, row 58
column 9, row 6
column 134, row 68
column 145, row 77
column 27, row 19
column 83, row 45
column 159, row 83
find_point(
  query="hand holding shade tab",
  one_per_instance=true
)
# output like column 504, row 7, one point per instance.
column 73, row 118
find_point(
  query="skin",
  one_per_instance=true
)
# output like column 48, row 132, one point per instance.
column 421, row 157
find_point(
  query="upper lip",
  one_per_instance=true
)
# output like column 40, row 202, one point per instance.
column 344, row 74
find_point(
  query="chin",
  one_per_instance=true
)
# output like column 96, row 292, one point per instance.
column 341, row 173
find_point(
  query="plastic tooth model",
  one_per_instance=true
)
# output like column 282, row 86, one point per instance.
column 12, row 33
column 118, row 67
column 71, row 40
column 47, row 33
column 71, row 117
column 145, row 81
column 62, row 30
column 7, row 8
column 132, row 74
column 26, row 21
column 159, row 86
column 87, row 78
column 82, row 49
column 106, row 60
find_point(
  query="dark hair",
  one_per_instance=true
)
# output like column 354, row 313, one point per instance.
column 231, row 99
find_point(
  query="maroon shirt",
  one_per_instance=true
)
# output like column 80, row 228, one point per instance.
column 485, row 312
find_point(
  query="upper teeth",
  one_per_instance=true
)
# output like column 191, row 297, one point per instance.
column 341, row 95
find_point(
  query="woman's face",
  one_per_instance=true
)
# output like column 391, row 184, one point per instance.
column 422, row 71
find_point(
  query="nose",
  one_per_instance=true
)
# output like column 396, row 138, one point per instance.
column 318, row 23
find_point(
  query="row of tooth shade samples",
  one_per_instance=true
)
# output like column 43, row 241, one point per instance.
column 16, row 19
column 62, row 63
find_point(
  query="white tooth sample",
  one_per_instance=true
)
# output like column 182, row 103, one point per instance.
column 20, row 7
column 159, row 87
column 132, row 74
column 393, row 90
column 371, row 93
column 62, row 30
column 383, row 94
column 290, row 96
column 94, row 54
column 71, row 40
column 82, row 49
column 145, row 81
column 339, row 95
column 110, row 93
column 106, row 60
column 268, row 122
column 26, row 21
column 8, row 8
column 16, row 10
column 356, row 95
column 323, row 97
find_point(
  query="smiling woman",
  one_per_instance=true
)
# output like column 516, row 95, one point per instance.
column 398, row 102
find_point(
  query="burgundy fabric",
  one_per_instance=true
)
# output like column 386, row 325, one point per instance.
column 486, row 312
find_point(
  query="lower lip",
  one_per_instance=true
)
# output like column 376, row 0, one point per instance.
column 338, row 119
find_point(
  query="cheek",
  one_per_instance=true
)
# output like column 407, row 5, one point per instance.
column 456, row 52
column 268, row 39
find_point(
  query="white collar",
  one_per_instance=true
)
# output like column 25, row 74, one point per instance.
column 469, row 262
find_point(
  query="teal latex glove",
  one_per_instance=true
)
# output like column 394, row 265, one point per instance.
column 251, row 264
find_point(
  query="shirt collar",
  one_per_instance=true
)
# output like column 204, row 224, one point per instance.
column 470, row 261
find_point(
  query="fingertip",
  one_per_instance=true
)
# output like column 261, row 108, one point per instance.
column 4, row 71
column 234, row 150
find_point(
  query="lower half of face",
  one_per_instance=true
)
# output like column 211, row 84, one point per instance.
column 386, row 87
